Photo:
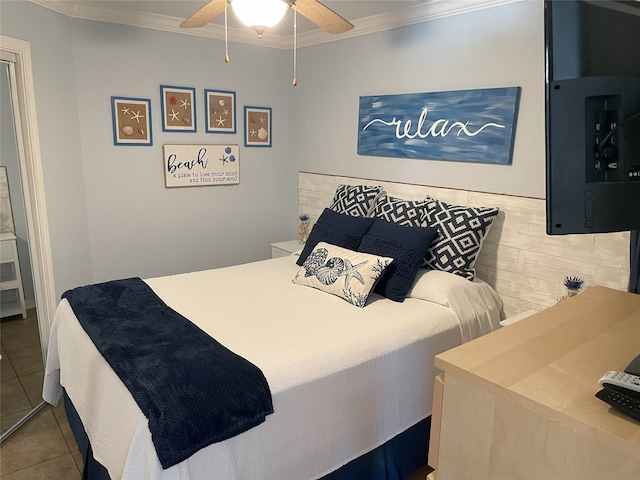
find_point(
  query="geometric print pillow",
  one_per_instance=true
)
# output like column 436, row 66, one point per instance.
column 461, row 231
column 355, row 200
column 411, row 213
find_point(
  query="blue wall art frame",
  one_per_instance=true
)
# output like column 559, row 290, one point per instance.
column 178, row 109
column 220, row 111
column 461, row 125
column 257, row 126
column 131, row 120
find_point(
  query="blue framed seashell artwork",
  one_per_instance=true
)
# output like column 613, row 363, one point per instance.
column 220, row 111
column 131, row 118
column 178, row 109
column 257, row 126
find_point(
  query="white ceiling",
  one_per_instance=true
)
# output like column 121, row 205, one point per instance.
column 368, row 16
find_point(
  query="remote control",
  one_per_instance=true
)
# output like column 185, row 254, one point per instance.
column 634, row 367
column 621, row 379
column 625, row 403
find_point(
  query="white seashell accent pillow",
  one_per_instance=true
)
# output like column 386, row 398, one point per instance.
column 347, row 274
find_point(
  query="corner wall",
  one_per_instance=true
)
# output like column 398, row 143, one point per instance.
column 495, row 47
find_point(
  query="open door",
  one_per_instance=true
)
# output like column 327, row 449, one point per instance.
column 26, row 248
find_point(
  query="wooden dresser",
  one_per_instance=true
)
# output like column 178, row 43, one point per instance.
column 519, row 403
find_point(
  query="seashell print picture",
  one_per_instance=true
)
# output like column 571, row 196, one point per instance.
column 131, row 121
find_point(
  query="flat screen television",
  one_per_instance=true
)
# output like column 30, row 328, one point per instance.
column 592, row 116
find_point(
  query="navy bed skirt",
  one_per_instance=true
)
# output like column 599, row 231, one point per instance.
column 395, row 460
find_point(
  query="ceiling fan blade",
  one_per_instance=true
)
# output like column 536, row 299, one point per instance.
column 203, row 16
column 322, row 16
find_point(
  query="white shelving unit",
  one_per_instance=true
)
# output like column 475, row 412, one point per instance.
column 11, row 289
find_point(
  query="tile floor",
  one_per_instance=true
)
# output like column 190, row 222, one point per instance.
column 44, row 447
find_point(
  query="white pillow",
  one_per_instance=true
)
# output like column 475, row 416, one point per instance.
column 437, row 286
column 347, row 274
column 477, row 306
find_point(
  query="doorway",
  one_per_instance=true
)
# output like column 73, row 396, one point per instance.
column 28, row 191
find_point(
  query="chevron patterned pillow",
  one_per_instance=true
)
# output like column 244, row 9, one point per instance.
column 461, row 231
column 411, row 213
column 355, row 200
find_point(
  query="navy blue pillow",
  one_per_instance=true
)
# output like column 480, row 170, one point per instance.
column 337, row 229
column 406, row 245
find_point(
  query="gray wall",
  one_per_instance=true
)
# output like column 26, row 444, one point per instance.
column 136, row 225
column 51, row 41
column 110, row 214
column 496, row 47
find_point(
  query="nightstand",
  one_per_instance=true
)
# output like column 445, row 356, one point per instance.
column 282, row 249
column 517, row 318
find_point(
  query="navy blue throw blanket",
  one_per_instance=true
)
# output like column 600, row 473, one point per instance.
column 193, row 390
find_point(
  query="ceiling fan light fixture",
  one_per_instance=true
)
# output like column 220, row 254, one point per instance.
column 259, row 14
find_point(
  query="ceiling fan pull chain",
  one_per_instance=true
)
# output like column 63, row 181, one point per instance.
column 295, row 45
column 226, row 35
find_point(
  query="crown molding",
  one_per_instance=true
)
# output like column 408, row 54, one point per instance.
column 86, row 10
column 421, row 12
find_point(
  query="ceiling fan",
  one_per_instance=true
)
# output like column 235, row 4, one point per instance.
column 263, row 14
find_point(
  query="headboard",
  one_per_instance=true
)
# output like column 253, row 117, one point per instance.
column 522, row 263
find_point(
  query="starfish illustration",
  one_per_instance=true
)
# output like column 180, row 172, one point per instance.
column 253, row 133
column 174, row 115
column 137, row 116
column 125, row 110
column 226, row 113
column 220, row 121
column 261, row 119
column 184, row 103
column 351, row 271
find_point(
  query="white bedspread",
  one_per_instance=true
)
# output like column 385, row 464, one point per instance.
column 344, row 379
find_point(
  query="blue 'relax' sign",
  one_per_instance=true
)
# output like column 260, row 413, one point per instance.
column 463, row 125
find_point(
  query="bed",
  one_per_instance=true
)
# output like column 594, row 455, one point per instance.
column 347, row 377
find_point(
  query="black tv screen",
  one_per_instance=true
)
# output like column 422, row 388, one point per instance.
column 592, row 116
